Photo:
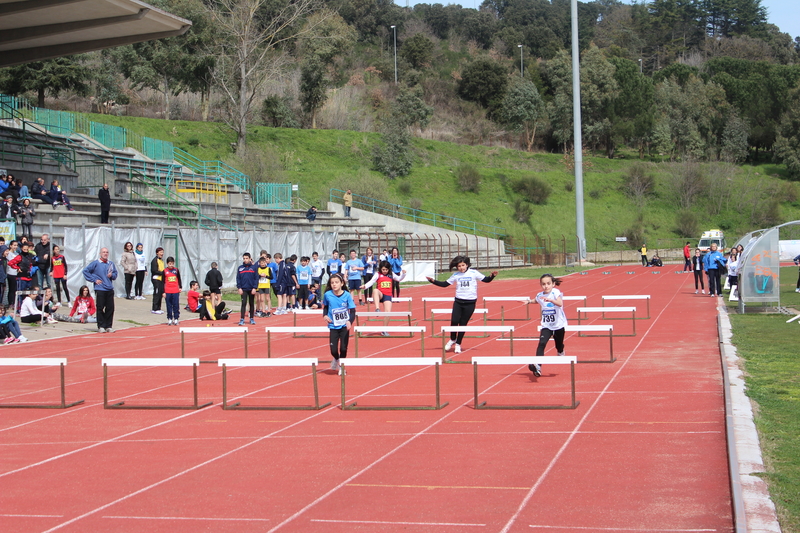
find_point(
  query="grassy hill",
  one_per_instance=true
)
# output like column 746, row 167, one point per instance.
column 736, row 199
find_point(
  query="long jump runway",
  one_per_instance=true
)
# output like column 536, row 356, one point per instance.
column 643, row 452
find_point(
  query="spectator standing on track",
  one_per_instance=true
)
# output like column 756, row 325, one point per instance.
column 23, row 265
column 247, row 283
column 11, row 273
column 714, row 261
column 278, row 284
column 334, row 264
column 396, row 260
column 553, row 321
column 347, row 198
column 214, row 283
column 290, row 279
column 466, row 281
column 263, row 295
column 698, row 267
column 157, row 271
column 172, row 291
column 733, row 271
column 128, row 264
column 643, row 251
column 141, row 271
column 317, row 269
column 370, row 267
column 303, row 281
column 687, row 258
column 44, row 256
column 4, row 250
column 339, row 311
column 59, row 269
column 105, row 205
column 101, row 273
column 355, row 269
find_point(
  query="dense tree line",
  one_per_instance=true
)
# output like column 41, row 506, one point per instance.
column 698, row 79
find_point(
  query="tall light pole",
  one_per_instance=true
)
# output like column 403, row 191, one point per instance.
column 576, row 133
column 520, row 60
column 394, row 30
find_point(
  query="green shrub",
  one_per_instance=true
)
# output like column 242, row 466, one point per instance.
column 533, row 189
column 522, row 211
column 468, row 177
column 404, row 188
column 639, row 183
column 687, row 223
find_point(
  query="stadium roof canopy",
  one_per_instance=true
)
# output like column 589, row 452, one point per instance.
column 34, row 30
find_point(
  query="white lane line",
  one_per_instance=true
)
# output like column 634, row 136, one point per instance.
column 31, row 516
column 398, row 523
column 201, row 518
column 581, row 422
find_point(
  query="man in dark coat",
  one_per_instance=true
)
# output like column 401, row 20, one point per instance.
column 105, row 203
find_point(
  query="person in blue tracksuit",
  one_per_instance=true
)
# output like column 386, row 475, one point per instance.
column 714, row 261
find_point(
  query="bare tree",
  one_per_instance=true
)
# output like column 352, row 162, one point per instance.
column 250, row 50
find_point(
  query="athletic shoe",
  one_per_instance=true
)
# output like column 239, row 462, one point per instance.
column 335, row 364
column 696, row 292
column 169, row 321
column 703, row 291
column 51, row 320
column 228, row 310
column 71, row 209
column 175, row 322
column 241, row 322
column 101, row 330
column 384, row 334
column 561, row 354
column 22, row 338
column 797, row 290
column 159, row 312
column 110, row 330
column 536, row 369
column 55, row 204
column 9, row 340
column 458, row 348
column 449, row 345
column 267, row 314
column 252, row 322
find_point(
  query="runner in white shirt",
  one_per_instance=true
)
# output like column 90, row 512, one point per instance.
column 466, row 282
column 553, row 318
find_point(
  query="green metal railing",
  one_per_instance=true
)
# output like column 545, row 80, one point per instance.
column 416, row 215
column 27, row 153
column 273, row 195
column 213, row 169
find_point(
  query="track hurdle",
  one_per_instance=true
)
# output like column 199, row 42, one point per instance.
column 437, row 299
column 60, row 362
column 162, row 362
column 525, row 300
column 297, row 312
column 299, row 362
column 586, row 310
column 399, row 300
column 598, row 327
column 391, row 361
column 484, row 312
column 645, row 297
column 396, row 317
column 294, row 330
column 228, row 330
column 525, row 360
column 394, row 329
column 574, row 299
column 486, row 329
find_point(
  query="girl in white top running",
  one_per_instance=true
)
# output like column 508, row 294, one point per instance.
column 466, row 282
column 553, row 318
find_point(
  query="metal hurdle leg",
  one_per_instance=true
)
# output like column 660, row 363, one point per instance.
column 238, row 407
column 355, row 407
column 121, row 405
column 482, row 405
column 62, row 405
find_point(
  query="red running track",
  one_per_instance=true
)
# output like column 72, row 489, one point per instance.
column 644, row 451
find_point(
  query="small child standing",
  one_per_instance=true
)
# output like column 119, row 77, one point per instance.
column 355, row 269
column 172, row 291
column 214, row 283
column 317, row 269
column 58, row 267
column 303, row 279
column 290, row 284
column 339, row 311
column 193, row 297
column 247, row 283
column 263, row 297
column 553, row 318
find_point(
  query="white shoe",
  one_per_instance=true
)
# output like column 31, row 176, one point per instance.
column 703, row 291
column 51, row 320
column 458, row 348
column 169, row 321
column 175, row 322
column 449, row 345
column 109, row 330
column 696, row 292
column 797, row 290
column 101, row 330
column 22, row 338
column 341, row 370
column 335, row 364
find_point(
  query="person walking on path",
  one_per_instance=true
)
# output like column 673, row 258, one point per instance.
column 101, row 273
column 105, row 203
column 348, row 202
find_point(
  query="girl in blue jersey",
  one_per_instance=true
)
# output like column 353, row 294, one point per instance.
column 339, row 311
column 466, row 281
column 554, row 321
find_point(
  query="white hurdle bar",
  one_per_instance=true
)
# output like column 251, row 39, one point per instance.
column 436, row 299
column 628, row 297
column 395, row 317
column 60, row 362
column 297, row 312
column 398, row 300
column 486, row 329
column 525, row 360
column 393, row 329
column 211, row 329
column 391, row 361
column 520, row 299
column 288, row 362
column 599, row 327
column 157, row 362
column 574, row 299
column 294, row 330
column 586, row 310
column 434, row 312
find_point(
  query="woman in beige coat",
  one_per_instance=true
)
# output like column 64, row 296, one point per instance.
column 128, row 265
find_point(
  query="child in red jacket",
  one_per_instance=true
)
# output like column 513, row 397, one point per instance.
column 84, row 305
column 58, row 267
